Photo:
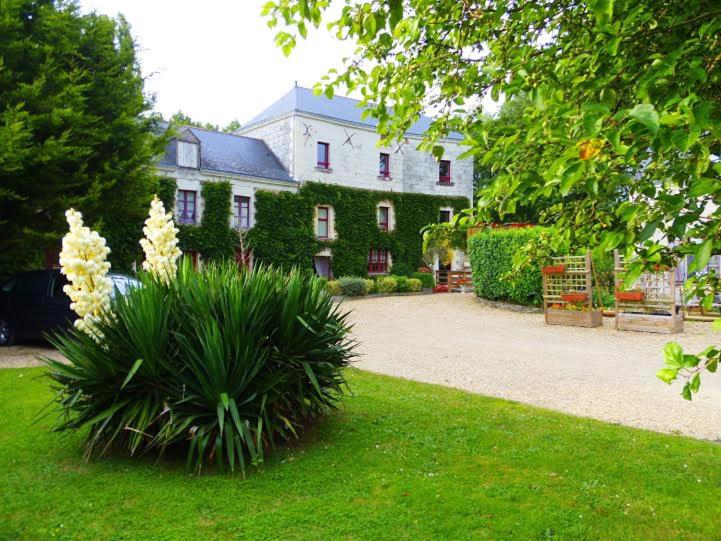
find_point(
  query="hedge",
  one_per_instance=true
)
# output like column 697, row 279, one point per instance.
column 284, row 233
column 491, row 255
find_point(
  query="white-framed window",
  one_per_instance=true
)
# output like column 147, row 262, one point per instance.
column 188, row 155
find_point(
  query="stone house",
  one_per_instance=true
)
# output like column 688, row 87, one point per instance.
column 302, row 138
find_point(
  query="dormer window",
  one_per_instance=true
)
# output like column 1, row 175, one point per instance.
column 444, row 172
column 188, row 154
column 323, row 155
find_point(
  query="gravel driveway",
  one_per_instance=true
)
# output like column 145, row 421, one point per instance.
column 453, row 340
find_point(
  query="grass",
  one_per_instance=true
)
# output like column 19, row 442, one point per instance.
column 402, row 460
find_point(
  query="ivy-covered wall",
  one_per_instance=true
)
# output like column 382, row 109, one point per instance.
column 284, row 232
column 214, row 239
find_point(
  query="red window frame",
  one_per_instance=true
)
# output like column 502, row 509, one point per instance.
column 444, row 179
column 384, row 221
column 323, row 220
column 385, row 165
column 242, row 211
column 183, row 214
column 325, row 164
column 378, row 261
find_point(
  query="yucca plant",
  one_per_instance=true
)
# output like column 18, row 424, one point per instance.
column 221, row 362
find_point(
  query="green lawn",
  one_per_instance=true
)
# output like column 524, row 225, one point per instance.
column 402, row 460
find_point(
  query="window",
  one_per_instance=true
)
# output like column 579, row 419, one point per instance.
column 385, row 165
column 188, row 154
column 241, row 212
column 323, row 220
column 185, row 206
column 377, row 261
column 445, row 216
column 383, row 218
column 444, row 172
column 323, row 155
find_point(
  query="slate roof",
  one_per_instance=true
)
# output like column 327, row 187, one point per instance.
column 303, row 100
column 228, row 153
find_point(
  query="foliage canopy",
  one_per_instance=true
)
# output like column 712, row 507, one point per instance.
column 623, row 124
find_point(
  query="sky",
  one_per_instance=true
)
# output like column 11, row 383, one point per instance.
column 216, row 60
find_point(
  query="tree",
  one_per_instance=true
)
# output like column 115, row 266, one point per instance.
column 73, row 130
column 623, row 126
column 181, row 119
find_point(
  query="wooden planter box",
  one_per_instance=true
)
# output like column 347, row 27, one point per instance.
column 554, row 269
column 574, row 318
column 574, row 297
column 649, row 323
column 630, row 296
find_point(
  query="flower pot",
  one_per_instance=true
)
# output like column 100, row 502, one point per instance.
column 632, row 296
column 440, row 289
column 574, row 297
column 554, row 269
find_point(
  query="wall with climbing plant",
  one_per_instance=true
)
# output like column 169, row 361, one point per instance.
column 214, row 239
column 284, row 232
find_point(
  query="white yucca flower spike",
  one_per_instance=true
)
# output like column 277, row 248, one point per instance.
column 161, row 242
column 83, row 260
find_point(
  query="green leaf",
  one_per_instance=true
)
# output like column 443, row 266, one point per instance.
column 673, row 354
column 690, row 361
column 646, row 115
column 702, row 254
column 132, row 372
column 667, row 375
column 686, row 393
column 712, row 365
column 716, row 325
column 602, row 10
column 224, row 400
column 695, row 383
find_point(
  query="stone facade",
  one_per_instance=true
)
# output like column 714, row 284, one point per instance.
column 354, row 156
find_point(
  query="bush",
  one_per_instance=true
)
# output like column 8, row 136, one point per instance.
column 333, row 288
column 402, row 284
column 491, row 253
column 386, row 284
column 415, row 285
column 352, row 286
column 370, row 285
column 402, row 269
column 426, row 279
column 219, row 363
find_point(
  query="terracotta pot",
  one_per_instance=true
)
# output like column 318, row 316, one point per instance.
column 634, row 296
column 554, row 269
column 574, row 297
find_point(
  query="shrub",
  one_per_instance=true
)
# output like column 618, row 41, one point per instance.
column 426, row 279
column 415, row 285
column 402, row 284
column 333, row 288
column 370, row 285
column 402, row 269
column 491, row 253
column 352, row 286
column 386, row 284
column 218, row 362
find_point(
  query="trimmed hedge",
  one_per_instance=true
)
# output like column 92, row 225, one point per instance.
column 352, row 286
column 491, row 254
column 426, row 278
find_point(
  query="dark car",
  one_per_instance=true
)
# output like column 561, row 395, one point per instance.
column 33, row 303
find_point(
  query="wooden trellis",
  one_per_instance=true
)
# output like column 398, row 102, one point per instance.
column 568, row 292
column 651, row 304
